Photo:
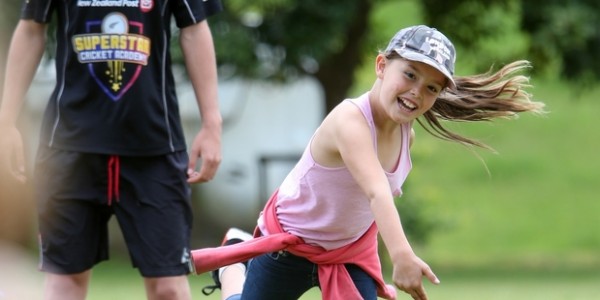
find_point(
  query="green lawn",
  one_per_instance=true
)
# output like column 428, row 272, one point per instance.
column 516, row 285
column 115, row 280
column 538, row 205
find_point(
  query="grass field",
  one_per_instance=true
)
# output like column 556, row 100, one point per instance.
column 117, row 281
column 536, row 207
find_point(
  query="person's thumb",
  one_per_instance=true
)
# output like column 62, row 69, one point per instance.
column 192, row 164
column 431, row 276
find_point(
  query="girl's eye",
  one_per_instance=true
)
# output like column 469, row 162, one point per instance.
column 433, row 89
column 409, row 75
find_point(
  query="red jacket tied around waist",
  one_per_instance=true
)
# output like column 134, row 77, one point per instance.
column 334, row 279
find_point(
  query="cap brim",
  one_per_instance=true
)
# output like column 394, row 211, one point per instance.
column 415, row 56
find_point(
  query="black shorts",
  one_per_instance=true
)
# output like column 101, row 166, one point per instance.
column 77, row 194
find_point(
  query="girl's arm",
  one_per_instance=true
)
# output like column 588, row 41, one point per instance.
column 346, row 132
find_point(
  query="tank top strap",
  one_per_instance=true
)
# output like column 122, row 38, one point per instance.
column 364, row 105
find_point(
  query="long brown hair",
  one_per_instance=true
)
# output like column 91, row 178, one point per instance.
column 481, row 97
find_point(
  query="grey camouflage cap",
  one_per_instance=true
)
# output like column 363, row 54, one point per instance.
column 427, row 45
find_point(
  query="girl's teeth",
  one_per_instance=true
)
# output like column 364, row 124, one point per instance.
column 408, row 104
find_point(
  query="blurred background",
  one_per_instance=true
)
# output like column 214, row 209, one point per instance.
column 519, row 223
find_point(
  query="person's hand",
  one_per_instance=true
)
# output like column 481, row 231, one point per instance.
column 207, row 147
column 12, row 157
column 408, row 273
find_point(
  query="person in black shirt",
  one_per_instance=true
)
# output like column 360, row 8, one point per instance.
column 112, row 142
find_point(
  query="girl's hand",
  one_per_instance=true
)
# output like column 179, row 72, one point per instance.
column 408, row 273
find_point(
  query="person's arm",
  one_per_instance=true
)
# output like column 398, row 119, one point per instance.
column 198, row 50
column 348, row 133
column 25, row 52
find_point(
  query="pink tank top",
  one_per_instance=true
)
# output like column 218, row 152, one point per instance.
column 325, row 206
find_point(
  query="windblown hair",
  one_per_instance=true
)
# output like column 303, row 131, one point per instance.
column 481, row 97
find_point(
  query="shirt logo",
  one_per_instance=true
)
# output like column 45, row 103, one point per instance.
column 144, row 5
column 115, row 50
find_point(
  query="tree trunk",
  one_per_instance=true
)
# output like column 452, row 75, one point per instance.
column 336, row 75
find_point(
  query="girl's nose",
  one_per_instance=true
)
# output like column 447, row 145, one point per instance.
column 415, row 91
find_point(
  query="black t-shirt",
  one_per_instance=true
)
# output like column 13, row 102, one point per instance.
column 115, row 92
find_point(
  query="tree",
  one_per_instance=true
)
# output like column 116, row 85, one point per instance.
column 567, row 33
column 282, row 39
column 480, row 30
column 554, row 35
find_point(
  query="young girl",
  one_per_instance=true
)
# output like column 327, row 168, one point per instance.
column 320, row 227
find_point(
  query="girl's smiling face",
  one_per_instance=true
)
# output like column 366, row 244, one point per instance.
column 408, row 88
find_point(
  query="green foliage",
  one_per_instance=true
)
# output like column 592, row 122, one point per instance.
column 561, row 39
column 277, row 39
column 479, row 30
column 565, row 34
column 283, row 39
column 417, row 225
column 386, row 19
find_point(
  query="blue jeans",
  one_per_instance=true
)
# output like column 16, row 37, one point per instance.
column 284, row 276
